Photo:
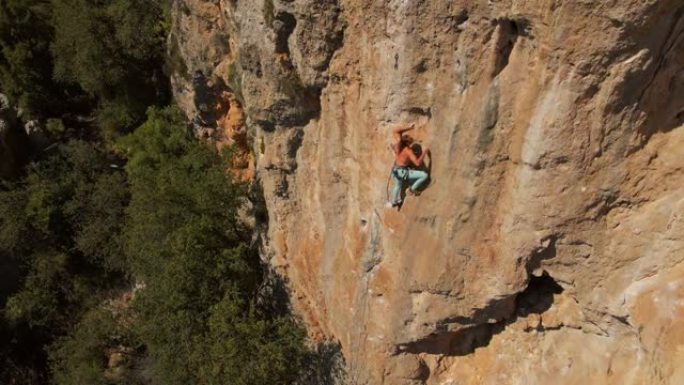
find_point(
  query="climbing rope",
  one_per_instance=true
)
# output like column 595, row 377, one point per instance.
column 389, row 177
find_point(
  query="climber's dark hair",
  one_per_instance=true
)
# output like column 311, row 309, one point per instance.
column 405, row 141
column 417, row 148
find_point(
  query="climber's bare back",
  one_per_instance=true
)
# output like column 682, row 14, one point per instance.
column 405, row 158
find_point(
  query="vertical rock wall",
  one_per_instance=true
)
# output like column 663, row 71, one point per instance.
column 549, row 247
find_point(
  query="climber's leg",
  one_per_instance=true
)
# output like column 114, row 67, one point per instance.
column 417, row 178
column 397, row 176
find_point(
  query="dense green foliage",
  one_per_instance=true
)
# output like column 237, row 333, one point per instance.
column 25, row 61
column 62, row 220
column 183, row 225
column 102, row 209
column 60, row 226
column 113, row 49
column 81, row 226
column 61, row 59
column 82, row 356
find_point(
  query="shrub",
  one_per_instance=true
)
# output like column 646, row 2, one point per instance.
column 62, row 223
column 196, row 314
column 114, row 50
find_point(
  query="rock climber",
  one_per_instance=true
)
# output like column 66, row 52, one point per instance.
column 407, row 165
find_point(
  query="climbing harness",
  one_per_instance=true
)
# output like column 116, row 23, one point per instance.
column 395, row 171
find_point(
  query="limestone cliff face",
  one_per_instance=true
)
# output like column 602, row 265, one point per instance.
column 549, row 247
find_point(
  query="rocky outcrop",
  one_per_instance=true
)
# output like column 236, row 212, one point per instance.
column 548, row 248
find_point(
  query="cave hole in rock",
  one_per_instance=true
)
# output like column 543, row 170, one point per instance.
column 509, row 31
column 537, row 296
column 460, row 19
column 283, row 25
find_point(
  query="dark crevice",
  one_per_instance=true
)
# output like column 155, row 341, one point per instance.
column 535, row 299
column 282, row 187
column 334, row 37
column 668, row 45
column 266, row 125
column 421, row 67
column 496, row 309
column 538, row 296
column 324, row 365
column 509, row 31
column 206, row 93
column 293, row 145
column 456, row 23
column 300, row 107
column 283, row 25
column 461, row 18
column 420, row 111
column 663, row 106
column 624, row 320
column 485, row 323
column 479, row 329
column 545, row 252
column 457, row 343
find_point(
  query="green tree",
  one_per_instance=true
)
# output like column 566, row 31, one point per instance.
column 85, row 355
column 60, row 228
column 114, row 49
column 243, row 347
column 25, row 60
column 79, row 358
column 196, row 314
column 62, row 223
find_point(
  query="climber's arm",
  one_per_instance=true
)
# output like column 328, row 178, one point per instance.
column 418, row 160
column 400, row 129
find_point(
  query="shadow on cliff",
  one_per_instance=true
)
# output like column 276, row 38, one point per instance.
column 324, row 363
column 482, row 325
column 655, row 92
column 535, row 299
column 663, row 87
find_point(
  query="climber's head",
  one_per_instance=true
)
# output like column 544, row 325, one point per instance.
column 406, row 141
